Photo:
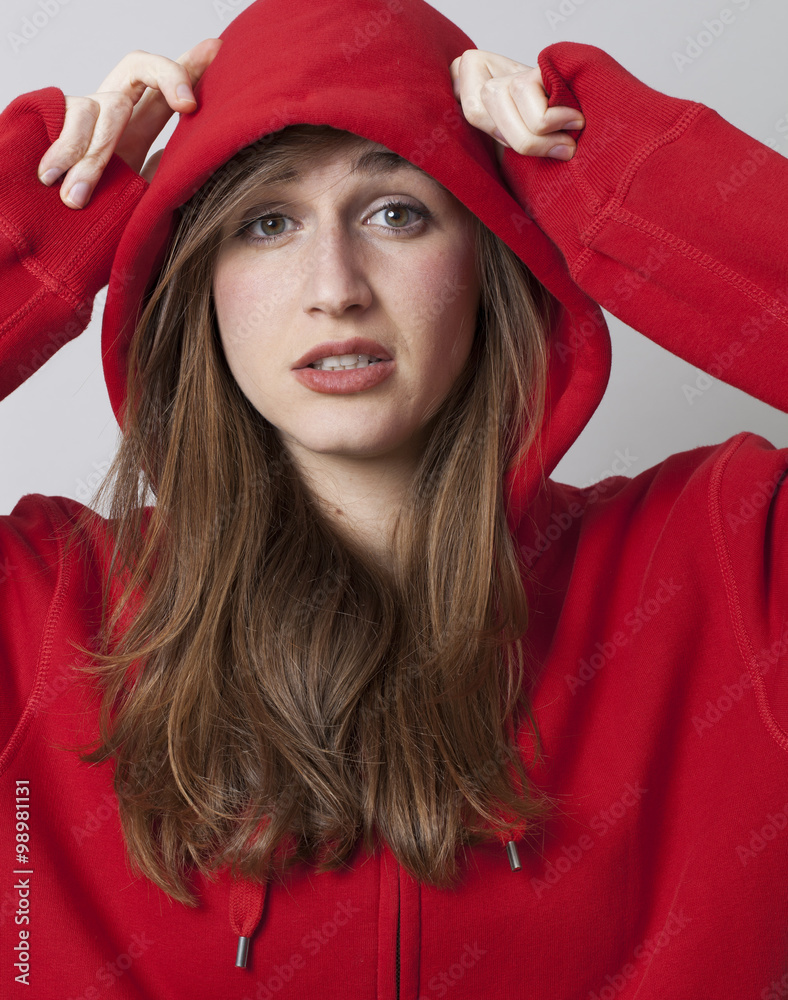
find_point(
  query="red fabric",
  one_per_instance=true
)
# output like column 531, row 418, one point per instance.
column 246, row 907
column 659, row 603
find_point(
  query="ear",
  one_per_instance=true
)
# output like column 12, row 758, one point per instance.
column 150, row 167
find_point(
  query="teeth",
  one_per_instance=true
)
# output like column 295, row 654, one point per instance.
column 344, row 362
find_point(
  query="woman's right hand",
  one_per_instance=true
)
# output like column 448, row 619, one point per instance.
column 124, row 116
column 507, row 100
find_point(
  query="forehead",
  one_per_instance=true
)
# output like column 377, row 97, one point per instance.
column 360, row 157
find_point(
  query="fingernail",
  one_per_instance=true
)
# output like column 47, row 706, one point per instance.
column 500, row 138
column 51, row 175
column 183, row 93
column 577, row 124
column 561, row 152
column 79, row 193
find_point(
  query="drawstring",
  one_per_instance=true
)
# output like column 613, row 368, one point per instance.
column 506, row 837
column 246, row 908
column 247, row 898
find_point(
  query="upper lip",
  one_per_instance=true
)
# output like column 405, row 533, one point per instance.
column 332, row 348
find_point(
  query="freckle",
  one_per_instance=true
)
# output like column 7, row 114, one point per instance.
column 338, row 511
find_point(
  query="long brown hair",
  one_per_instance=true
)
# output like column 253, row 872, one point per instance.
column 268, row 693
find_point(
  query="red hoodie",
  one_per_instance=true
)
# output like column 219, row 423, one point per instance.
column 659, row 602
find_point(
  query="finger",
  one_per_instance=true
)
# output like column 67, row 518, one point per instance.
column 95, row 127
column 454, row 71
column 481, row 65
column 140, row 69
column 170, row 80
column 74, row 139
column 520, row 113
column 82, row 115
column 91, row 158
column 480, row 80
column 530, row 97
column 155, row 108
column 469, row 74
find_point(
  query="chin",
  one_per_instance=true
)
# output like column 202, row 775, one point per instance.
column 348, row 442
column 355, row 449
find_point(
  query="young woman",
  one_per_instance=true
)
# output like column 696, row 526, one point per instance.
column 345, row 686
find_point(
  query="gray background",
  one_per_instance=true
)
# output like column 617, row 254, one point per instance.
column 59, row 432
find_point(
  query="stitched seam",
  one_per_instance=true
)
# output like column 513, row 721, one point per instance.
column 23, row 254
column 54, row 282
column 45, row 648
column 711, row 264
column 622, row 189
column 34, row 266
column 732, row 593
column 23, row 311
column 673, row 133
column 104, row 223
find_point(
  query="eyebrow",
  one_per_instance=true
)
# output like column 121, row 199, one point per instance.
column 375, row 161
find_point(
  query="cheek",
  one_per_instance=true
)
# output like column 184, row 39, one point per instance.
column 241, row 311
column 239, row 320
column 447, row 311
column 225, row 290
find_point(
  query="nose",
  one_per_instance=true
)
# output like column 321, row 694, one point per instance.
column 335, row 278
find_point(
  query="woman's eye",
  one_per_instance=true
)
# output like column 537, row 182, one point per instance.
column 396, row 216
column 270, row 226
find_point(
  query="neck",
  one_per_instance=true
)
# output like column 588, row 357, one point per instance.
column 361, row 497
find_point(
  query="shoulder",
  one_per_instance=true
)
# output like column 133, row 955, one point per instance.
column 714, row 520
column 731, row 480
column 37, row 606
column 49, row 570
column 54, row 563
column 34, row 534
column 718, row 511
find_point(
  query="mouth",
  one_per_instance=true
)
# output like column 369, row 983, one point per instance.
column 344, row 363
column 345, row 381
column 343, row 355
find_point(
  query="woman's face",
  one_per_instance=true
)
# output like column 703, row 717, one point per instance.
column 321, row 261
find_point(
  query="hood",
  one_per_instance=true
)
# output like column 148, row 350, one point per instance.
column 380, row 69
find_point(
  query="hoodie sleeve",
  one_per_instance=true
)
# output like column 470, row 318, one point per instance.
column 53, row 259
column 669, row 217
column 674, row 220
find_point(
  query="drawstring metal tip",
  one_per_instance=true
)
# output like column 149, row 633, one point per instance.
column 514, row 857
column 242, row 953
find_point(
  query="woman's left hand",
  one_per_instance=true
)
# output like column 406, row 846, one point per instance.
column 507, row 100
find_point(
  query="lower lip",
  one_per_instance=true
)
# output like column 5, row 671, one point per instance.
column 353, row 380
